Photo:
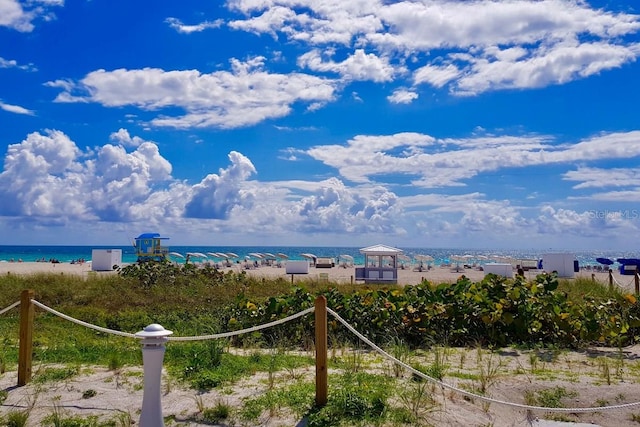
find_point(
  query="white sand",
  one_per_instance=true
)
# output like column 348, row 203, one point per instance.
column 335, row 274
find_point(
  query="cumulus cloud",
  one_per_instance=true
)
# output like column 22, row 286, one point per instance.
column 48, row 176
column 245, row 96
column 335, row 207
column 217, row 194
column 49, row 180
column 122, row 137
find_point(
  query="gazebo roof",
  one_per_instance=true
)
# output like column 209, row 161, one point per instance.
column 380, row 250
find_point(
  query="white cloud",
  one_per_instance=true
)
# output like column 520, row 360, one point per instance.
column 122, row 137
column 604, row 178
column 12, row 63
column 217, row 194
column 177, row 25
column 20, row 16
column 48, row 176
column 316, row 22
column 448, row 162
column 335, row 207
column 15, row 109
column 436, row 76
column 402, row 96
column 358, row 66
column 245, row 96
column 480, row 46
column 559, row 64
column 49, row 180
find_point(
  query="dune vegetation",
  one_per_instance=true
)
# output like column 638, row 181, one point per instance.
column 544, row 313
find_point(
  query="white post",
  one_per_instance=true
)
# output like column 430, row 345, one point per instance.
column 153, row 337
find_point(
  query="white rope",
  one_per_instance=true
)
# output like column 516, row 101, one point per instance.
column 193, row 338
column 355, row 332
column 621, row 285
column 464, row 392
column 245, row 331
column 14, row 305
column 80, row 322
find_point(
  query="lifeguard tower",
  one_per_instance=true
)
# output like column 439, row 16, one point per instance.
column 149, row 247
column 380, row 264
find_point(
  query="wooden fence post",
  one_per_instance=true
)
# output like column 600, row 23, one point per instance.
column 322, row 384
column 26, row 337
column 610, row 280
column 637, row 282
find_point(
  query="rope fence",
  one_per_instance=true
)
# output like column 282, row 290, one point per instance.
column 11, row 307
column 322, row 328
column 462, row 391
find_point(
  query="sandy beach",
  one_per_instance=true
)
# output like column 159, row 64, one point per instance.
column 336, row 274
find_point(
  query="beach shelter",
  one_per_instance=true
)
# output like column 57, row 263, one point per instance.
column 380, row 264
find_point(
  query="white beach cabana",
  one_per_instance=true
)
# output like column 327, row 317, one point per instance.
column 380, row 264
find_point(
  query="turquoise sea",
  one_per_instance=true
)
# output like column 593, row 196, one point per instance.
column 440, row 255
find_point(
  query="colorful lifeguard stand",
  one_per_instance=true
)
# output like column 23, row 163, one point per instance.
column 149, row 247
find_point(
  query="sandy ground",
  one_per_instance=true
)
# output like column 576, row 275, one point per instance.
column 593, row 378
column 117, row 395
column 336, row 274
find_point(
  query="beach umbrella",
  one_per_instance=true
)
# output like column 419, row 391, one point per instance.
column 232, row 255
column 269, row 255
column 176, row 254
column 256, row 255
column 196, row 254
column 281, row 255
column 605, row 261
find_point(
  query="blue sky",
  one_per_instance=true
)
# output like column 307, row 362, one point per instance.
column 462, row 124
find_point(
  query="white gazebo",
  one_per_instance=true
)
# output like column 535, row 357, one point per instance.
column 380, row 264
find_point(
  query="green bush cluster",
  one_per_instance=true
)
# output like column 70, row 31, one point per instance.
column 493, row 312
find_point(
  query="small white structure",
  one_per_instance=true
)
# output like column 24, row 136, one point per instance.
column 105, row 259
column 561, row 263
column 297, row 267
column 380, row 264
column 499, row 269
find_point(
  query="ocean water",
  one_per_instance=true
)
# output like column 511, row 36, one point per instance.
column 440, row 255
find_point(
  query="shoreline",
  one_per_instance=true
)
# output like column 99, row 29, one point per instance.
column 336, row 274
